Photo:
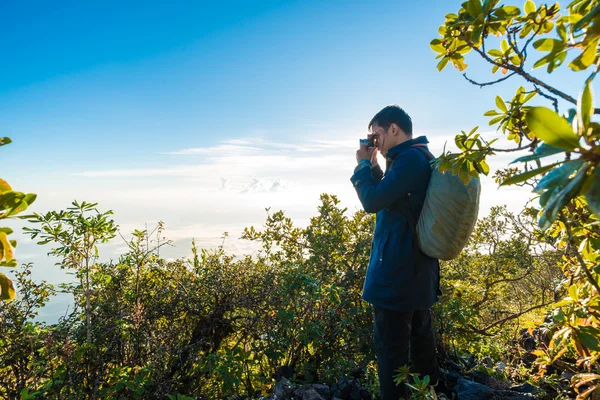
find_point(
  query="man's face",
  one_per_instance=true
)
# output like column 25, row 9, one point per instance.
column 382, row 139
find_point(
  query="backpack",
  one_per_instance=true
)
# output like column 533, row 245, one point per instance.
column 448, row 216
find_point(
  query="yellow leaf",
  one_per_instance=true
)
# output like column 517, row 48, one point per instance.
column 7, row 252
column 4, row 186
column 7, row 290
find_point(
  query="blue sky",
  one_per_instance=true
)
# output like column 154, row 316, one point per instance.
column 202, row 114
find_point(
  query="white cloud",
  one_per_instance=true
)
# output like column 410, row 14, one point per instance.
column 201, row 193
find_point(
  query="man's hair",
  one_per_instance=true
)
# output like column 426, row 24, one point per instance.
column 393, row 114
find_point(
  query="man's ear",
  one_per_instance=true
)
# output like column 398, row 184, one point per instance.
column 394, row 129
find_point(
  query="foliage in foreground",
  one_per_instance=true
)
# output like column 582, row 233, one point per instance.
column 11, row 204
column 217, row 325
column 512, row 40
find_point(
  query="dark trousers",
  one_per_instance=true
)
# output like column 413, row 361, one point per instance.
column 398, row 334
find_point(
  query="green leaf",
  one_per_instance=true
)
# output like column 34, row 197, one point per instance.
column 526, row 31
column 542, row 61
column 589, row 337
column 494, row 121
column 592, row 194
column 570, row 115
column 10, row 264
column 485, row 168
column 550, row 127
column 442, row 64
column 547, row 195
column 548, row 44
column 476, row 37
column 585, row 106
column 527, row 175
column 560, row 199
column 556, row 60
column 4, row 141
column 474, row 8
column 558, row 176
column 501, row 104
column 543, row 150
column 463, row 174
column 436, row 45
column 585, row 59
column 529, row 97
column 529, row 7
column 495, row 53
column 587, row 18
column 511, row 11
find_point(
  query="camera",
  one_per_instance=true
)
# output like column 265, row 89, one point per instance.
column 370, row 142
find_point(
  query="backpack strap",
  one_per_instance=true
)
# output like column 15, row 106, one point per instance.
column 423, row 149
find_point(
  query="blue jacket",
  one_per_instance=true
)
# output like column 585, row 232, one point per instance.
column 397, row 277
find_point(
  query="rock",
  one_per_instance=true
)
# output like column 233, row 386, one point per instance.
column 487, row 380
column 509, row 395
column 453, row 366
column 529, row 358
column 525, row 388
column 567, row 376
column 488, row 362
column 323, row 390
column 470, row 362
column 467, row 390
column 347, row 389
column 284, row 389
column 311, row 394
column 450, row 378
column 501, row 367
column 357, row 373
column 300, row 391
column 527, row 341
column 284, row 371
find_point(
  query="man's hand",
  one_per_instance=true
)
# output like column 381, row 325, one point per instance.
column 363, row 153
column 374, row 156
column 366, row 153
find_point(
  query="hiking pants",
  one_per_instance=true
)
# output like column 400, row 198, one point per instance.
column 398, row 334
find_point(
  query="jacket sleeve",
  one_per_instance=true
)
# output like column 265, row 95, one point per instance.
column 376, row 172
column 397, row 183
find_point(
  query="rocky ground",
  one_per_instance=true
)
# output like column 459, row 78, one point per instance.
column 467, row 386
column 459, row 383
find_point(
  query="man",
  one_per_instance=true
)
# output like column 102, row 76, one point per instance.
column 402, row 283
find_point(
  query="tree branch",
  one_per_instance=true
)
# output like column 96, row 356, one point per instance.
column 577, row 255
column 554, row 100
column 484, row 331
column 529, row 146
column 528, row 77
column 490, row 285
column 535, row 81
column 488, row 83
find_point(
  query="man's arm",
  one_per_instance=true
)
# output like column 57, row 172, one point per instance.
column 377, row 172
column 398, row 182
